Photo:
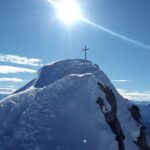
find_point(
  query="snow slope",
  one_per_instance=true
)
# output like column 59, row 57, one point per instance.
column 59, row 110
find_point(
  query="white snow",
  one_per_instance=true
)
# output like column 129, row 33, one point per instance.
column 59, row 111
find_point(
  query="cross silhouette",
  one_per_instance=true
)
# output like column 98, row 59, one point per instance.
column 85, row 50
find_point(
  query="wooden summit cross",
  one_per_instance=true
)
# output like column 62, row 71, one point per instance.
column 85, row 50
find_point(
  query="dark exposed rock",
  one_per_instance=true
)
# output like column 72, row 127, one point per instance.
column 141, row 140
column 135, row 112
column 96, row 65
column 114, row 124
column 110, row 97
column 111, row 117
column 100, row 101
column 126, row 99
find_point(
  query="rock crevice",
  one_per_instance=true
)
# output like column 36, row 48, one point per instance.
column 110, row 116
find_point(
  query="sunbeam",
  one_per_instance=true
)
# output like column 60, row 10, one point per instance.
column 70, row 14
column 117, row 34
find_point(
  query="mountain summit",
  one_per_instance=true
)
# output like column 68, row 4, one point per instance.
column 71, row 105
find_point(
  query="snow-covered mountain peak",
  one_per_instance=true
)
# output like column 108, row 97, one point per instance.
column 57, row 70
column 71, row 105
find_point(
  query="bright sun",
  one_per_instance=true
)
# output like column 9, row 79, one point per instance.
column 68, row 11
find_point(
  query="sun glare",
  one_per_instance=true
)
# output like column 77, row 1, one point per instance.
column 68, row 10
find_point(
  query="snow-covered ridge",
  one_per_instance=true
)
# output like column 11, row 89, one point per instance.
column 59, row 69
column 55, row 71
column 71, row 105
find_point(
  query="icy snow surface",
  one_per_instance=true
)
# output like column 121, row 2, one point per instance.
column 58, row 111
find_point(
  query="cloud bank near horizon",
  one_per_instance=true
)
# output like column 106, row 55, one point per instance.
column 135, row 95
column 20, row 60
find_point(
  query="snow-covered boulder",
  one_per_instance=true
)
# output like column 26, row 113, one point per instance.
column 71, row 105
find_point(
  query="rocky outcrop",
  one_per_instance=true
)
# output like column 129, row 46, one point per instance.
column 110, row 116
column 113, row 122
column 135, row 112
column 141, row 140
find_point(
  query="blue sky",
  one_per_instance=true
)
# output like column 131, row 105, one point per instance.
column 30, row 29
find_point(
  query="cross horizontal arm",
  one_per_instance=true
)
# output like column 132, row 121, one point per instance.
column 85, row 49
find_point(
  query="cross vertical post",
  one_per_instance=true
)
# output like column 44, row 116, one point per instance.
column 85, row 50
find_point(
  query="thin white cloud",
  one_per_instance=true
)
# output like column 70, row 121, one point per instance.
column 10, row 86
column 7, row 90
column 20, row 60
column 12, row 80
column 135, row 95
column 121, row 81
column 11, row 69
